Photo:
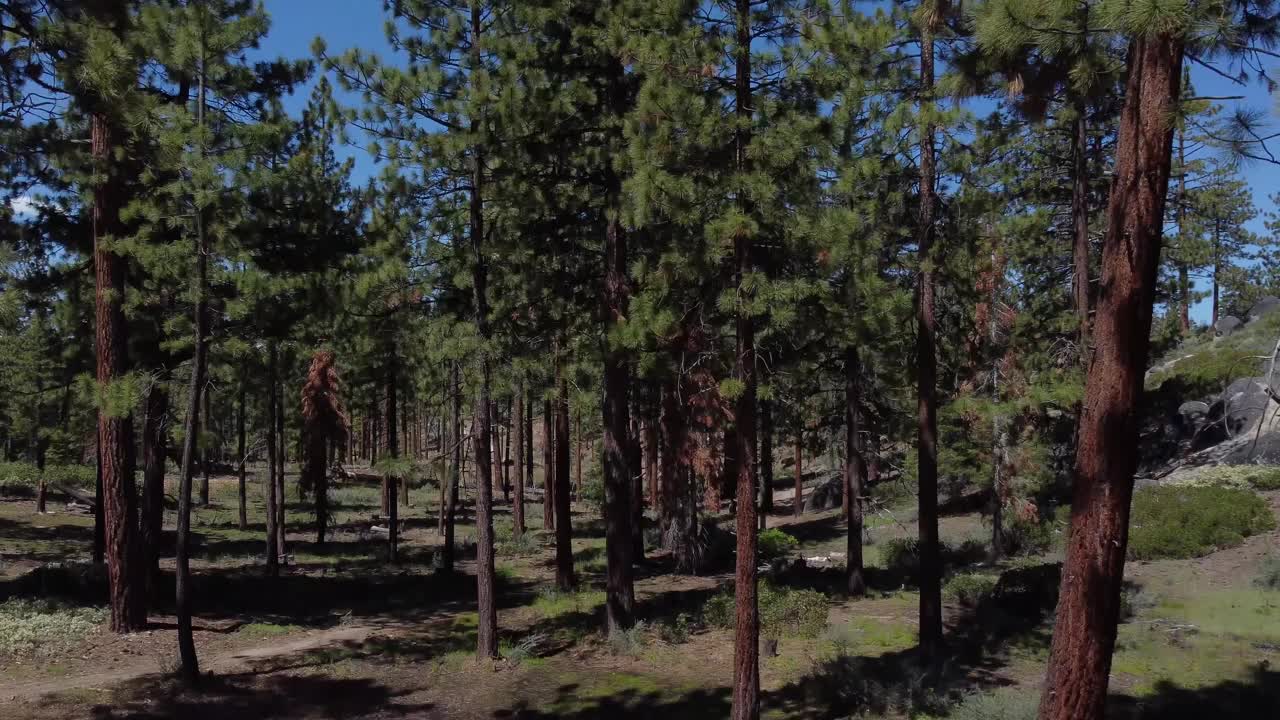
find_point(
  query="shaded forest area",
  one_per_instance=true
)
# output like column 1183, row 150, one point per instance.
column 740, row 358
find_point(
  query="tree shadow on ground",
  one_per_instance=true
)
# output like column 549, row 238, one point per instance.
column 626, row 705
column 251, row 697
column 1254, row 699
column 978, row 644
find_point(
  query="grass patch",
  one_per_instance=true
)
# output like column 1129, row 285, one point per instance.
column 42, row 627
column 265, row 630
column 1258, row 477
column 1252, row 614
column 552, row 602
column 1010, row 703
column 1186, row 521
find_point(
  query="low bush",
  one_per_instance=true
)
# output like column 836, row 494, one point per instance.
column 1003, row 704
column 970, row 589
column 775, row 543
column 783, row 612
column 1186, row 521
column 17, row 478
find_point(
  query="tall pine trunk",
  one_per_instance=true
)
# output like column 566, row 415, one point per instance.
column 1106, row 455
column 273, row 528
column 241, row 452
column 798, row 505
column 199, row 365
column 926, row 365
column 855, row 471
column 393, row 450
column 746, row 636
column 548, row 469
column 1080, row 222
column 766, row 462
column 450, row 490
column 155, row 441
column 1179, row 212
column 517, row 426
column 115, row 425
column 487, row 626
column 616, row 421
column 565, row 578
column 202, row 445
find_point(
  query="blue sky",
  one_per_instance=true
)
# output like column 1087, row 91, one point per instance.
column 359, row 23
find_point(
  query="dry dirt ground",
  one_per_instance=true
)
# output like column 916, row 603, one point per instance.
column 342, row 635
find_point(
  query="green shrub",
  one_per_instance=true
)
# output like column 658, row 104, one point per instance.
column 718, row 612
column 901, row 554
column 1263, row 478
column 970, row 589
column 775, row 543
column 45, row 628
column 17, row 478
column 1185, row 521
column 1004, row 704
column 783, row 612
column 677, row 631
column 1269, row 573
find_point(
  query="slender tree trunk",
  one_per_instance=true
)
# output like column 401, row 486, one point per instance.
column 999, row 433
column 199, row 365
column 528, row 441
column 393, row 450
column 455, row 472
column 99, row 524
column 548, row 469
column 115, row 425
column 201, row 444
column 1080, row 222
column 855, row 471
column 616, row 420
column 766, row 462
column 1217, row 266
column 926, row 368
column 635, row 474
column 1106, row 455
column 1179, row 212
column 241, row 453
column 746, row 637
column 650, row 431
column 273, row 517
column 798, row 506
column 282, row 528
column 155, row 440
column 517, row 425
column 565, row 578
column 487, row 626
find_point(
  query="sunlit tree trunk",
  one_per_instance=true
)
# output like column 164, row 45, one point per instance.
column 1106, row 455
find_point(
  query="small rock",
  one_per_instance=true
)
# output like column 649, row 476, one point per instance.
column 1227, row 325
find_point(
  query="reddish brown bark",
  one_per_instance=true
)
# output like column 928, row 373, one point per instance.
column 926, row 370
column 746, row 636
column 1106, row 458
column 115, row 427
column 324, row 420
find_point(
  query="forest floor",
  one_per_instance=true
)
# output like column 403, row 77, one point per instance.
column 341, row 634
